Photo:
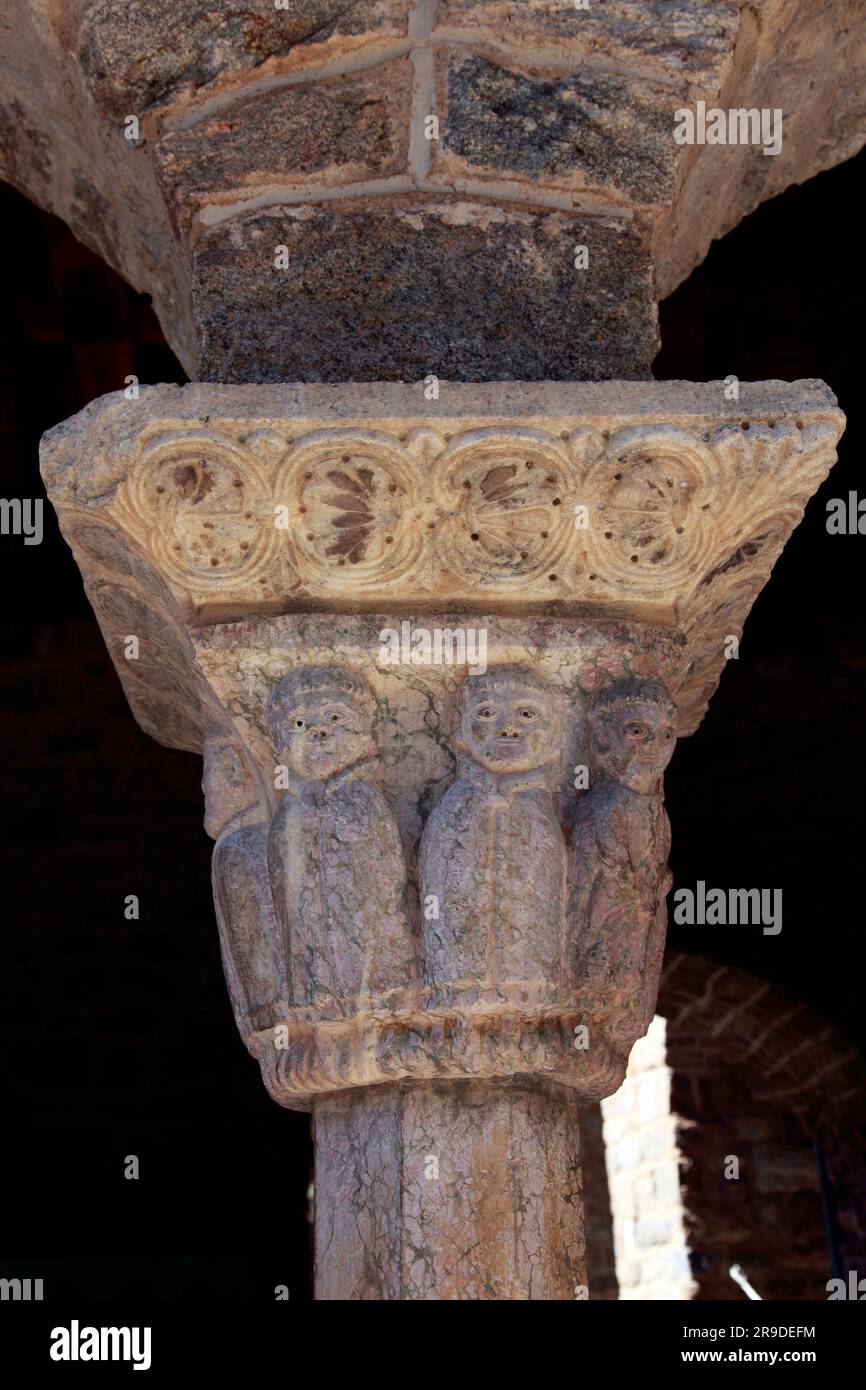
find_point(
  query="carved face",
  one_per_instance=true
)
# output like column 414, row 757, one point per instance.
column 634, row 741
column 322, row 732
column 508, row 727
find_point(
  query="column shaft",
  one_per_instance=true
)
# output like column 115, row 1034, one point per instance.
column 448, row 1190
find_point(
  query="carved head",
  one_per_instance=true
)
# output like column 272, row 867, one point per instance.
column 320, row 719
column 632, row 731
column 510, row 720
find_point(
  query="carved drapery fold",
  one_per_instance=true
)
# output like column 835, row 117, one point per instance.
column 510, row 933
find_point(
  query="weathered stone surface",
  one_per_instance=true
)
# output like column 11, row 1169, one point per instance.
column 666, row 504
column 680, row 40
column 382, row 822
column 396, row 825
column 335, row 860
column 802, row 60
column 59, row 150
column 492, row 856
column 452, row 818
column 441, row 1192
column 544, row 112
column 350, row 128
column 618, row 872
column 410, row 288
column 26, row 154
column 599, row 132
column 144, row 55
column 439, row 871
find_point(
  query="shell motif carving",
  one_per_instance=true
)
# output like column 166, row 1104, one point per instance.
column 652, row 509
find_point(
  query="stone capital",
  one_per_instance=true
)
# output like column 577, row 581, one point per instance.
column 436, row 655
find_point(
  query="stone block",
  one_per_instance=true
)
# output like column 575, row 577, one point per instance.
column 600, row 132
column 334, row 132
column 625, row 1156
column 672, row 39
column 667, row 1182
column 653, row 1097
column 656, row 1142
column 402, row 289
column 653, row 1230
column 148, row 54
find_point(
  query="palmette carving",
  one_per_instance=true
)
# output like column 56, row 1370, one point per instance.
column 660, row 502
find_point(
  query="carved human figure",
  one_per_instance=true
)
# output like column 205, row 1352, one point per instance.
column 492, row 858
column 336, row 862
column 620, row 846
column 236, row 815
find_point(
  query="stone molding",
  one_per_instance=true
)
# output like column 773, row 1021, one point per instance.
column 411, row 504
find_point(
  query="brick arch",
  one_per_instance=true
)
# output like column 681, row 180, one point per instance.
column 763, row 1073
column 803, row 1061
column 732, row 1066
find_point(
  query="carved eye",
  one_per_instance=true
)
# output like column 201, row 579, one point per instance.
column 636, row 730
column 485, row 712
column 668, row 735
column 527, row 714
column 335, row 718
column 299, row 723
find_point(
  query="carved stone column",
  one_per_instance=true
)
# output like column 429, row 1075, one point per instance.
column 436, row 656
column 449, row 1190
